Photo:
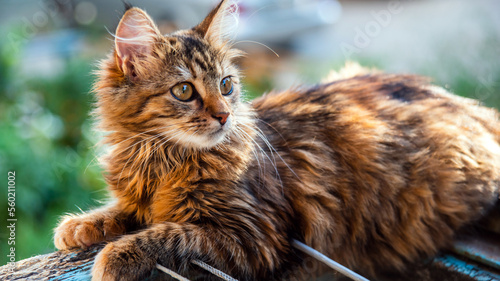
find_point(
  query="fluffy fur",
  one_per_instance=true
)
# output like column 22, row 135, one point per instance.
column 377, row 171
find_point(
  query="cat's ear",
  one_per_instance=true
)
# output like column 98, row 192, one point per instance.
column 135, row 37
column 219, row 27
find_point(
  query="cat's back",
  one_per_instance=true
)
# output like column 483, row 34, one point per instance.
column 368, row 109
column 389, row 164
column 398, row 108
column 387, row 97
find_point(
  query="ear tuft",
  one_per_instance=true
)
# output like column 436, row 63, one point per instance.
column 135, row 36
column 127, row 5
column 220, row 26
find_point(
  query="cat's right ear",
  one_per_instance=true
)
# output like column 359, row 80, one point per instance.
column 135, row 37
column 220, row 26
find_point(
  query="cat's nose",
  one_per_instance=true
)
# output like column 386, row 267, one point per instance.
column 221, row 116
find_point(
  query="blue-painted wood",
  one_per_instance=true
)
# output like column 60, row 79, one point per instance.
column 80, row 273
column 76, row 266
column 476, row 271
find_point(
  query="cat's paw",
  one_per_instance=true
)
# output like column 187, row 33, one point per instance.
column 82, row 232
column 122, row 261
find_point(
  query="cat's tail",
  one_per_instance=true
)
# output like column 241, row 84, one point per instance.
column 349, row 70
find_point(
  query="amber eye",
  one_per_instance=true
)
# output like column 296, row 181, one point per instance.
column 183, row 91
column 226, row 86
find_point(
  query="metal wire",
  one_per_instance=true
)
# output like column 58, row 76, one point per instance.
column 201, row 264
column 326, row 260
column 297, row 244
column 171, row 273
column 213, row 270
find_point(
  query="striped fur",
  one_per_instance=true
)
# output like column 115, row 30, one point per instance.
column 377, row 171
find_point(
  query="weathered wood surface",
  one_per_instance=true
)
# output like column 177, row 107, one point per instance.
column 58, row 266
column 76, row 266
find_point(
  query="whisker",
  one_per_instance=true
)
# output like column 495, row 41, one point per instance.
column 272, row 127
column 239, row 134
column 151, row 154
column 132, row 39
column 149, row 139
column 263, row 137
column 134, row 155
column 273, row 163
column 164, row 142
column 134, row 136
column 258, row 43
column 186, row 132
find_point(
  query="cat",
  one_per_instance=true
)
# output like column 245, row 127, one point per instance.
column 375, row 170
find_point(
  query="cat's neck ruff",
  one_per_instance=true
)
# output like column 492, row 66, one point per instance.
column 137, row 169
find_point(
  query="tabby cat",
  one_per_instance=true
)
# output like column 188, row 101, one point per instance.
column 376, row 171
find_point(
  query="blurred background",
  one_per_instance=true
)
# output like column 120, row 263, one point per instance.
column 49, row 49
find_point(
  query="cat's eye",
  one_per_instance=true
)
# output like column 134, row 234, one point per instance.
column 226, row 86
column 183, row 91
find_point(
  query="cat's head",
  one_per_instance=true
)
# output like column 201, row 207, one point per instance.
column 181, row 88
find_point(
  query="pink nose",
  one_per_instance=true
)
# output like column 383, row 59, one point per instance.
column 221, row 116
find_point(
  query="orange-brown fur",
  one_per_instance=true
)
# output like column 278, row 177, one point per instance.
column 374, row 170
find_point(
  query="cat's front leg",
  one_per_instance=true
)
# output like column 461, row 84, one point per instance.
column 84, row 230
column 175, row 245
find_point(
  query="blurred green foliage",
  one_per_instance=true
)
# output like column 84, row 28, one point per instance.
column 46, row 139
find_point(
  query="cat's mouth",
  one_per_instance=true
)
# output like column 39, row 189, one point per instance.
column 217, row 132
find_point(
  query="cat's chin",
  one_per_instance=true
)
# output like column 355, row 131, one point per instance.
column 204, row 141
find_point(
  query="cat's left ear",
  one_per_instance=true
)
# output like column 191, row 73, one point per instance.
column 135, row 38
column 219, row 27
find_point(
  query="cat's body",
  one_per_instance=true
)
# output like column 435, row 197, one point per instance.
column 374, row 170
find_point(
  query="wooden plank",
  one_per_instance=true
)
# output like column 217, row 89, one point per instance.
column 57, row 266
column 483, row 248
column 76, row 266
